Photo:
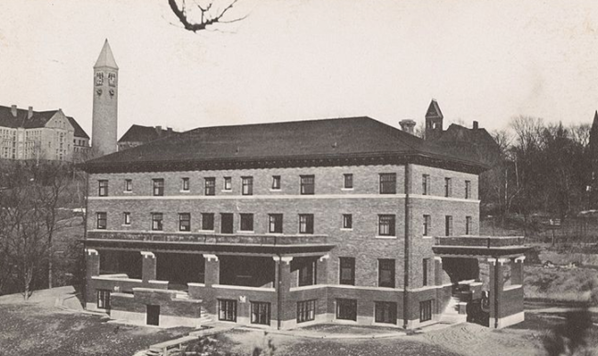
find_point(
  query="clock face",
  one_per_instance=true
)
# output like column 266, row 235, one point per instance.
column 99, row 78
column 112, row 79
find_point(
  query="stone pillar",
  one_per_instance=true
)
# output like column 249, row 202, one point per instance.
column 517, row 271
column 322, row 270
column 212, row 270
column 92, row 261
column 284, row 311
column 92, row 268
column 438, row 272
column 148, row 266
column 496, row 289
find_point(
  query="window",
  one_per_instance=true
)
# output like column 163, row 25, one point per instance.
column 448, row 225
column 103, row 188
column 386, row 225
column 425, row 184
column 158, row 187
column 128, row 185
column 157, row 221
column 386, row 312
column 386, row 273
column 348, row 184
column 306, row 310
column 207, row 221
column 185, row 184
column 468, row 225
column 210, row 186
column 307, row 273
column 388, row 183
column 347, row 221
column 467, row 189
column 228, row 183
column 127, row 218
column 275, row 223
column 306, row 223
column 307, row 184
column 427, row 225
column 184, row 222
column 246, row 222
column 103, row 299
column 275, row 182
column 247, row 185
column 347, row 270
column 425, row 270
column 260, row 313
column 112, row 79
column 425, row 310
column 448, row 189
column 227, row 309
column 101, row 221
column 346, row 309
column 226, row 223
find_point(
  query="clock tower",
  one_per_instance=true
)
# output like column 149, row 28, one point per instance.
column 105, row 103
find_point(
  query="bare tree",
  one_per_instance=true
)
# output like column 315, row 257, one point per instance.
column 201, row 14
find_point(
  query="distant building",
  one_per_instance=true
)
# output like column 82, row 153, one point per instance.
column 105, row 103
column 51, row 135
column 138, row 135
column 474, row 141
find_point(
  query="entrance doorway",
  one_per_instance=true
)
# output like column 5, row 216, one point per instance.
column 153, row 315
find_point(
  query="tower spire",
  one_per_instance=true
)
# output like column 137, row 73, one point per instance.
column 106, row 59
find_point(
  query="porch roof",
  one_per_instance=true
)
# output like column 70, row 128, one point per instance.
column 480, row 246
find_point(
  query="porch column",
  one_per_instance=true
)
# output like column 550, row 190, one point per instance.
column 517, row 271
column 496, row 289
column 438, row 271
column 322, row 269
column 283, row 286
column 212, row 270
column 92, row 268
column 148, row 266
column 92, row 262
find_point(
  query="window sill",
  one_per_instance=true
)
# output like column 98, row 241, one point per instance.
column 127, row 191
column 208, row 231
column 226, row 190
column 347, row 189
column 126, row 225
column 275, row 190
column 385, row 237
column 245, row 232
column 346, row 229
column 184, row 191
column 426, row 237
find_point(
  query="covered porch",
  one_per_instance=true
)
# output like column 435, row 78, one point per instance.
column 186, row 283
column 487, row 276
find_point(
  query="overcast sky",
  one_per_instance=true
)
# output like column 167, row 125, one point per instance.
column 301, row 59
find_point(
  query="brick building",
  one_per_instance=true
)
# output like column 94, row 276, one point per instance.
column 286, row 225
column 51, row 135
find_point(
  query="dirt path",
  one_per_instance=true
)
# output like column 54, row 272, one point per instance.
column 476, row 340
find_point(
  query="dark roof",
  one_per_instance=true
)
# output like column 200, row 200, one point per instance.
column 477, row 141
column 37, row 120
column 144, row 134
column 434, row 110
column 273, row 143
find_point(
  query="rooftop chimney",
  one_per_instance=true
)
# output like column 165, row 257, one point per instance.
column 407, row 126
column 475, row 125
column 169, row 130
column 13, row 110
column 30, row 112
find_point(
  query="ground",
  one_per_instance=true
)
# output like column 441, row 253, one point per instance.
column 43, row 329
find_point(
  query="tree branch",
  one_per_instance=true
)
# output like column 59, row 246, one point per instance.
column 207, row 18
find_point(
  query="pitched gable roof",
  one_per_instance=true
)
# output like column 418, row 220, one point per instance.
column 144, row 134
column 434, row 110
column 477, row 141
column 356, row 137
column 38, row 119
